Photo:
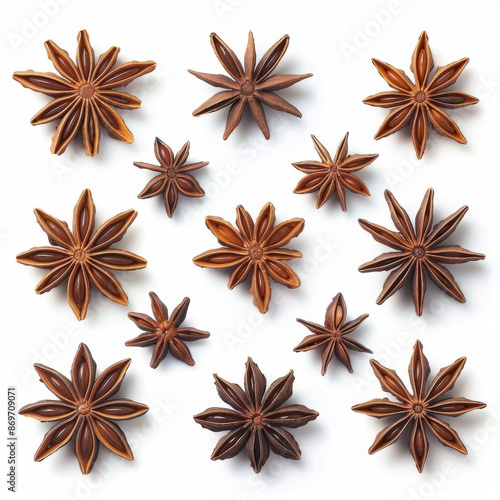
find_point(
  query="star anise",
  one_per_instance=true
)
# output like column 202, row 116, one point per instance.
column 83, row 98
column 422, row 101
column 333, row 176
column 83, row 256
column 418, row 250
column 85, row 410
column 173, row 177
column 255, row 248
column 418, row 410
column 258, row 418
column 164, row 332
column 253, row 85
column 332, row 337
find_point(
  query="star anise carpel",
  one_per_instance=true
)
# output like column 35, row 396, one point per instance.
column 84, row 411
column 423, row 101
column 421, row 410
column 418, row 251
column 257, row 420
column 251, row 84
column 83, row 256
column 83, row 98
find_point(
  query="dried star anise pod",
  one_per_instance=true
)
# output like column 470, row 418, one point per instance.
column 258, row 418
column 333, row 176
column 255, row 248
column 252, row 85
column 83, row 98
column 85, row 410
column 173, row 177
column 422, row 101
column 418, row 410
column 164, row 332
column 332, row 337
column 418, row 251
column 83, row 256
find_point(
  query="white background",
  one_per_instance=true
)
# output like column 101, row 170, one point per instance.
column 336, row 43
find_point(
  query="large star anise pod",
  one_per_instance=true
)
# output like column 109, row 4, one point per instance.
column 255, row 248
column 332, row 337
column 333, row 176
column 85, row 410
column 164, row 332
column 83, row 98
column 418, row 410
column 418, row 251
column 83, row 256
column 253, row 85
column 422, row 101
column 258, row 418
column 173, row 177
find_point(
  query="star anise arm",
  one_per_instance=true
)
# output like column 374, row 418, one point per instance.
column 278, row 392
column 400, row 217
column 181, row 351
column 445, row 228
column 396, row 280
column 123, row 74
column 55, row 277
column 283, row 233
column 227, row 57
column 418, row 287
column 271, row 59
column 46, row 83
column 170, row 199
column 421, row 61
column 83, row 218
column 336, row 313
column 445, row 434
column 233, row 395
column 276, row 102
column 189, row 186
column 85, row 59
column 397, row 119
column 444, row 279
column 356, row 162
column 310, row 167
column 91, row 130
column 385, row 236
column 260, row 288
column 444, row 125
column 350, row 326
column 57, row 437
column 220, row 419
column 192, row 166
column 254, row 383
column 259, row 116
column 218, row 101
column 280, row 82
column 313, row 342
column 419, row 445
column 454, row 407
column 388, row 99
column 390, row 434
column 250, row 56
column 191, row 334
column 291, row 416
column 48, row 410
column 420, row 132
column 44, row 257
column 240, row 274
column 225, row 232
column 264, row 223
column 68, row 128
column 112, row 122
column 143, row 340
column 57, row 383
column 424, row 218
column 109, row 381
column 62, row 62
column 119, row 260
column 313, row 182
column 395, row 78
column 219, row 258
column 281, row 273
column 83, row 372
column 56, row 230
column 418, row 370
column 257, row 448
column 341, row 353
column 446, row 76
column 120, row 409
column 107, row 283
column 445, row 380
column 453, row 254
column 231, row 444
column 111, row 436
column 453, row 100
column 381, row 408
column 221, row 81
column 234, row 116
column 282, row 442
column 86, row 446
column 390, row 382
column 160, row 351
column 54, row 110
column 355, row 345
column 120, row 100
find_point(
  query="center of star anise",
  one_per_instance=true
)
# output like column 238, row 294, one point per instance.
column 255, row 252
column 420, row 96
column 166, row 330
column 80, row 255
column 171, row 173
column 247, row 88
column 418, row 252
column 257, row 420
column 86, row 91
column 418, row 408
column 83, row 408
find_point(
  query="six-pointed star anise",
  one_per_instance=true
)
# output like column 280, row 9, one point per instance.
column 422, row 101
column 85, row 410
column 418, row 251
column 173, row 177
column 252, row 85
column 83, row 98
column 420, row 409
column 333, row 176
column 83, row 256
column 332, row 337
column 164, row 332
column 255, row 248
column 258, row 418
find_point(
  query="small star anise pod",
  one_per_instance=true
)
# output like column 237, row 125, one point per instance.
column 418, row 251
column 333, row 176
column 164, row 332
column 253, row 85
column 254, row 248
column 418, row 410
column 173, row 177
column 83, row 256
column 85, row 410
column 258, row 418
column 422, row 101
column 332, row 337
column 83, row 98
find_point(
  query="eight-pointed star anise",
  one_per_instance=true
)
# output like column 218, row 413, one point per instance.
column 418, row 410
column 85, row 410
column 252, row 85
column 164, row 332
column 422, row 101
column 83, row 96
column 418, row 251
column 332, row 337
column 258, row 418
column 255, row 248
column 333, row 176
column 83, row 256
column 173, row 177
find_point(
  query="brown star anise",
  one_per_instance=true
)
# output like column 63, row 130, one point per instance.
column 173, row 177
column 253, row 85
column 83, row 98
column 421, row 407
column 332, row 337
column 333, row 176
column 422, row 101
column 258, row 418
column 83, row 256
column 85, row 410
column 255, row 248
column 164, row 332
column 418, row 250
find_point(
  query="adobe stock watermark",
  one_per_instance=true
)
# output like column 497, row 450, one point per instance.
column 224, row 7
